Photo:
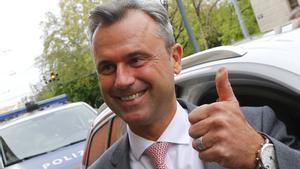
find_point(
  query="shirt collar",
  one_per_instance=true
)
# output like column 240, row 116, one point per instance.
column 176, row 133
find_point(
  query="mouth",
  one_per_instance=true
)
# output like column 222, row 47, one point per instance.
column 132, row 97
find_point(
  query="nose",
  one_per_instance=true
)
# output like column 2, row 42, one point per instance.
column 124, row 77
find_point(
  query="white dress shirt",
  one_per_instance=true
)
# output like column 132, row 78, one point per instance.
column 180, row 155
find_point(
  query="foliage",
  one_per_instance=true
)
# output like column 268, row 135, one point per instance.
column 66, row 52
column 214, row 22
column 180, row 33
column 228, row 27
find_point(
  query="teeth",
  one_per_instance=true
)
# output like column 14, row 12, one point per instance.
column 131, row 97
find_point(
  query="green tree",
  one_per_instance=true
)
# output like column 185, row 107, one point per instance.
column 227, row 23
column 214, row 22
column 207, row 30
column 66, row 52
column 180, row 32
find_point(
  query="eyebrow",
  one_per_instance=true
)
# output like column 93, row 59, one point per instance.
column 137, row 52
column 127, row 56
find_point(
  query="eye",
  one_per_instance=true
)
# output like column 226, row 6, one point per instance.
column 106, row 68
column 137, row 61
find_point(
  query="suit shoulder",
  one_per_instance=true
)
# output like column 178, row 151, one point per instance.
column 104, row 159
column 114, row 155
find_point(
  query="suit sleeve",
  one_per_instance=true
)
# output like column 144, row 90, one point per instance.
column 287, row 147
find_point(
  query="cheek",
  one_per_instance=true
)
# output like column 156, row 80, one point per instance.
column 160, row 77
column 105, row 83
column 165, row 70
column 161, row 67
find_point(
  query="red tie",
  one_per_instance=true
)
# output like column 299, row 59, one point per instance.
column 157, row 153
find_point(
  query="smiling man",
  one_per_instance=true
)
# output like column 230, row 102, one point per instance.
column 136, row 74
column 136, row 58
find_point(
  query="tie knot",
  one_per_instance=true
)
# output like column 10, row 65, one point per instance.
column 157, row 153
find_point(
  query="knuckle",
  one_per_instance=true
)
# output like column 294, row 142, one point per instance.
column 219, row 122
column 225, row 154
column 217, row 106
column 205, row 157
column 203, row 105
column 191, row 132
column 220, row 137
column 191, row 117
column 221, row 153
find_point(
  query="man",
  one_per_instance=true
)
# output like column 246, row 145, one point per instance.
column 136, row 58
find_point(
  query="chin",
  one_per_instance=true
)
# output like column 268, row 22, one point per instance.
column 135, row 118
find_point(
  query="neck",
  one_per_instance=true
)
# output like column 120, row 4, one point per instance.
column 154, row 130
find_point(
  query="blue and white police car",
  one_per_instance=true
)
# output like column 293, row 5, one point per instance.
column 52, row 138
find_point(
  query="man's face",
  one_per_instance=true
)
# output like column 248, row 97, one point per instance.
column 136, row 73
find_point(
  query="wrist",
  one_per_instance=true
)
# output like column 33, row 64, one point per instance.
column 260, row 141
column 259, row 165
column 253, row 148
column 266, row 157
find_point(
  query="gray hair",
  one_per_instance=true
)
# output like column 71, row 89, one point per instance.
column 114, row 11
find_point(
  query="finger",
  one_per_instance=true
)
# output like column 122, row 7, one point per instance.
column 201, row 112
column 223, row 86
column 206, row 141
column 201, row 148
column 200, row 128
column 204, row 111
column 198, row 114
column 212, row 154
column 213, row 148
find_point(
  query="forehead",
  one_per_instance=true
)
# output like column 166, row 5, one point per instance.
column 132, row 31
column 133, row 22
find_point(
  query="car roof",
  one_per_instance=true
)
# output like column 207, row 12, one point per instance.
column 273, row 57
column 38, row 113
column 278, row 50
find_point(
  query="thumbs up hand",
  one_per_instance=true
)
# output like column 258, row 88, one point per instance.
column 226, row 136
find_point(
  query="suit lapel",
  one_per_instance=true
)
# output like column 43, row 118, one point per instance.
column 120, row 157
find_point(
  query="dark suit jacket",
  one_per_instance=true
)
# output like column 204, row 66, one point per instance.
column 261, row 118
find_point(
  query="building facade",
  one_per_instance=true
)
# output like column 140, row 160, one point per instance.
column 273, row 13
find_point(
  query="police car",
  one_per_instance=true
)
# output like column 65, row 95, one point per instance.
column 263, row 71
column 52, row 138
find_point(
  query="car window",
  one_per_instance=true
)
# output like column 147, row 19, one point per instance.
column 45, row 132
column 98, row 142
column 117, row 130
column 103, row 137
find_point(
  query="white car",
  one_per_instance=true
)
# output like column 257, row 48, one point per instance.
column 52, row 138
column 265, row 71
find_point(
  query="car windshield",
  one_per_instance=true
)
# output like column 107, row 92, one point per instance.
column 45, row 132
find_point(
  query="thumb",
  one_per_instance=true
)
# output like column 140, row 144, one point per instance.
column 223, row 85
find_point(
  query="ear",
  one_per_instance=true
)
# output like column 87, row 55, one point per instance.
column 176, row 57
